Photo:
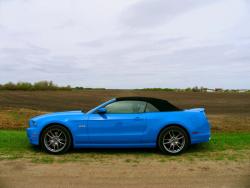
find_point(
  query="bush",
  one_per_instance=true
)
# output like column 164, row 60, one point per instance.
column 44, row 85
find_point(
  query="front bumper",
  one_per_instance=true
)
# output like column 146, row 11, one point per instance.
column 33, row 135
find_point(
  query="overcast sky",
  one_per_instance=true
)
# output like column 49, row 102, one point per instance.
column 126, row 43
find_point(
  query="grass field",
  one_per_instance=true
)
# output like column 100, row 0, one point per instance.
column 223, row 146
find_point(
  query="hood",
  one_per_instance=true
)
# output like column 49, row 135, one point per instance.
column 59, row 114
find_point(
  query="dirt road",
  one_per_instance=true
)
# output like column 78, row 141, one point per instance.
column 119, row 174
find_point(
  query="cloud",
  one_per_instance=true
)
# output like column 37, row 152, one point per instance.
column 149, row 13
column 34, row 59
column 92, row 44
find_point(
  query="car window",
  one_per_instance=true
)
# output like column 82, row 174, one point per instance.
column 126, row 107
column 151, row 108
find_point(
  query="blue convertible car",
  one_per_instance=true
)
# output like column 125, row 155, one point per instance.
column 126, row 122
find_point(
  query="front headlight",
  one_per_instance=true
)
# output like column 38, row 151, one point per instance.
column 33, row 123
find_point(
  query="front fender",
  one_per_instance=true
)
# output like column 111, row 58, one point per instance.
column 34, row 132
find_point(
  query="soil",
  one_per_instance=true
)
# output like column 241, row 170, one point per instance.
column 24, row 174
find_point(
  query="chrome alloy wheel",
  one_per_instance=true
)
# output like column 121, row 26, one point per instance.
column 173, row 141
column 55, row 140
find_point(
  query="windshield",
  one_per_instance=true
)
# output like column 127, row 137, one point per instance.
column 101, row 105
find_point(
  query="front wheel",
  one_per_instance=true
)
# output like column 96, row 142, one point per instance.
column 55, row 139
column 173, row 140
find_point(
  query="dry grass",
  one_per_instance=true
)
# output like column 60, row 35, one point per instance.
column 12, row 118
column 230, row 122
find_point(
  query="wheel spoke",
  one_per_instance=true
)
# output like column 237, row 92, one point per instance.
column 178, row 138
column 168, row 142
column 51, row 133
column 179, row 134
column 49, row 136
column 170, row 133
column 59, row 134
column 178, row 145
column 172, row 145
column 167, row 139
column 61, row 142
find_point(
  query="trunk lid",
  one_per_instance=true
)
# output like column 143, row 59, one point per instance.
column 195, row 110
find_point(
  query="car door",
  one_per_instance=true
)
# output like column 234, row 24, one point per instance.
column 123, row 123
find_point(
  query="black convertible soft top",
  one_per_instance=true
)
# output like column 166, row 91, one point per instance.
column 160, row 104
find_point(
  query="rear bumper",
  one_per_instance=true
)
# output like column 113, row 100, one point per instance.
column 200, row 138
column 33, row 136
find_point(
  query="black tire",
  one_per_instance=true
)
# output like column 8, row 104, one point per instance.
column 173, row 145
column 64, row 140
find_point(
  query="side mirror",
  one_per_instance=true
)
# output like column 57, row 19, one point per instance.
column 101, row 111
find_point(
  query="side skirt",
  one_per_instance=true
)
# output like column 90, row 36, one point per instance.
column 149, row 145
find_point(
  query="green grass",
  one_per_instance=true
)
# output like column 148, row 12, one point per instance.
column 223, row 146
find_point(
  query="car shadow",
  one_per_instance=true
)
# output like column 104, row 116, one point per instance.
column 115, row 150
column 195, row 148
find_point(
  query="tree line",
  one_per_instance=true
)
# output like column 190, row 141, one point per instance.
column 41, row 85
column 49, row 85
column 198, row 89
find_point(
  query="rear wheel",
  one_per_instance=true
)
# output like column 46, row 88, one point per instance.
column 55, row 139
column 173, row 140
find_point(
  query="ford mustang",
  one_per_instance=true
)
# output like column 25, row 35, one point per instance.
column 126, row 122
